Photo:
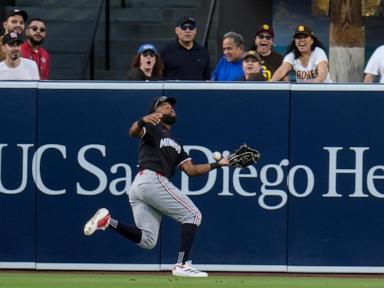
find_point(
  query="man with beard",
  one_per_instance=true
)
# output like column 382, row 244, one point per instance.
column 185, row 59
column 152, row 195
column 31, row 49
column 14, row 22
column 14, row 67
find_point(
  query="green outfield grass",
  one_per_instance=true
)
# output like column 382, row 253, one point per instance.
column 85, row 280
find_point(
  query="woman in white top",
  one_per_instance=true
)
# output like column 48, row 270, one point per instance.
column 306, row 56
column 375, row 66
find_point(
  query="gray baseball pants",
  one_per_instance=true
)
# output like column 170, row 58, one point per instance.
column 153, row 195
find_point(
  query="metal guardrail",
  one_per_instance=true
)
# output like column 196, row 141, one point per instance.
column 89, row 57
column 212, row 8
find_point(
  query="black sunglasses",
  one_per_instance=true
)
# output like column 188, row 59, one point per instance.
column 148, row 53
column 190, row 26
column 41, row 29
column 265, row 37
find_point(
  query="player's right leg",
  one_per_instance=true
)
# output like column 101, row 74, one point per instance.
column 147, row 219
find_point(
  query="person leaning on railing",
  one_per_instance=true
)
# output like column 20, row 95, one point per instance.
column 375, row 66
column 306, row 56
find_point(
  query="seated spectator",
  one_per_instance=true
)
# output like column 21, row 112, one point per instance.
column 14, row 67
column 306, row 56
column 375, row 66
column 252, row 68
column 146, row 65
column 229, row 67
column 36, row 33
column 184, row 58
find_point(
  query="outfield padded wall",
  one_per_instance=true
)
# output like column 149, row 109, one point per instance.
column 312, row 203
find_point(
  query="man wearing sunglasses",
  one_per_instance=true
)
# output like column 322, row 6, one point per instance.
column 264, row 46
column 31, row 49
column 184, row 59
column 14, row 22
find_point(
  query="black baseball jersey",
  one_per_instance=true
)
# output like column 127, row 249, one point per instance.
column 159, row 151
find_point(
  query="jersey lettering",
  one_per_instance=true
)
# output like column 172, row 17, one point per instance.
column 267, row 73
column 168, row 142
column 306, row 75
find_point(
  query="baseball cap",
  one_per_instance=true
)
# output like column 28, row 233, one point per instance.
column 12, row 37
column 253, row 54
column 186, row 19
column 265, row 28
column 145, row 47
column 301, row 29
column 158, row 100
column 16, row 11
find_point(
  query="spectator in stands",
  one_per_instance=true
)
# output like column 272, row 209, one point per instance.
column 14, row 67
column 14, row 22
column 306, row 56
column 229, row 67
column 263, row 45
column 36, row 33
column 252, row 67
column 146, row 65
column 184, row 59
column 375, row 66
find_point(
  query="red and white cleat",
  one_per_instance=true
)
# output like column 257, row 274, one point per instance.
column 99, row 221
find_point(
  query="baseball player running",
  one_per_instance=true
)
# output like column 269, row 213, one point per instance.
column 152, row 195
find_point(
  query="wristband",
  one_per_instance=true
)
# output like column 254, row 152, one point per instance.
column 141, row 123
column 214, row 165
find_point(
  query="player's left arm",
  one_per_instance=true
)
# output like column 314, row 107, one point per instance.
column 322, row 72
column 199, row 169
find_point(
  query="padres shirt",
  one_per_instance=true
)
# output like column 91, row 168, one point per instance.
column 159, row 151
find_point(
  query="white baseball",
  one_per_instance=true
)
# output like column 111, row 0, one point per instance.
column 216, row 155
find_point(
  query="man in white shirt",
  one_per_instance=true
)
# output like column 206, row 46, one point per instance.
column 14, row 67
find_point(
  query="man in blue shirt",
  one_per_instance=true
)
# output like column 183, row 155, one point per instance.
column 229, row 67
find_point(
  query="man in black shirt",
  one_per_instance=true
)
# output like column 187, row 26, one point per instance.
column 184, row 59
column 152, row 195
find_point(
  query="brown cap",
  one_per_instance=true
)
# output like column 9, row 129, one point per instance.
column 301, row 29
column 253, row 54
column 265, row 28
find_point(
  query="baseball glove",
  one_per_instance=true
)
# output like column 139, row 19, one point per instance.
column 243, row 157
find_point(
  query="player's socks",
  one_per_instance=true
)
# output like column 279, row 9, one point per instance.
column 188, row 232
column 131, row 232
